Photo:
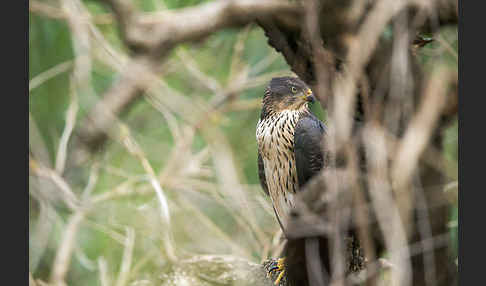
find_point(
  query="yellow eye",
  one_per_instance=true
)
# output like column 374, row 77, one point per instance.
column 293, row 89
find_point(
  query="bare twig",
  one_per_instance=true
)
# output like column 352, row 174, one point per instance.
column 201, row 217
column 190, row 64
column 44, row 76
column 50, row 11
column 63, row 255
column 135, row 150
column 103, row 269
column 127, row 258
column 123, row 190
column 40, row 235
column 420, row 129
column 68, row 129
column 361, row 48
column 447, row 46
column 385, row 207
column 67, row 194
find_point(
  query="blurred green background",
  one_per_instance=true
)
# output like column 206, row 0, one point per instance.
column 207, row 215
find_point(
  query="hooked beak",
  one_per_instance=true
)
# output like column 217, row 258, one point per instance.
column 310, row 96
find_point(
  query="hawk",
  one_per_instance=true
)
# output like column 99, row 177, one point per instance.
column 289, row 142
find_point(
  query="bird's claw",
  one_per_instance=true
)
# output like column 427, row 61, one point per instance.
column 280, row 267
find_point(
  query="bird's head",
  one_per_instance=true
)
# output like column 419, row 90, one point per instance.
column 286, row 93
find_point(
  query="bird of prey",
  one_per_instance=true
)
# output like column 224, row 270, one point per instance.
column 289, row 145
column 289, row 142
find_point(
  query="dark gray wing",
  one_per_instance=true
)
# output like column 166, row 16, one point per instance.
column 261, row 174
column 309, row 157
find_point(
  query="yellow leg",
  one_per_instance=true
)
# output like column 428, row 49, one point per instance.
column 280, row 267
column 279, row 277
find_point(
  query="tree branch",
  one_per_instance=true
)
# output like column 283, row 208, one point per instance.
column 151, row 41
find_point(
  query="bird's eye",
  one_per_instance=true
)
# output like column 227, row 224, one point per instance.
column 293, row 89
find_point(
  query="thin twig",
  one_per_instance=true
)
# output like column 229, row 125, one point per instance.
column 46, row 75
column 420, row 129
column 63, row 256
column 385, row 207
column 68, row 129
column 67, row 194
column 135, row 150
column 127, row 258
column 103, row 269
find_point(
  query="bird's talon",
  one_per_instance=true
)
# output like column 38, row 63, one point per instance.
column 273, row 269
column 279, row 277
column 280, row 267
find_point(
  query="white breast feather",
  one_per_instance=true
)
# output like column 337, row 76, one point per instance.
column 278, row 159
